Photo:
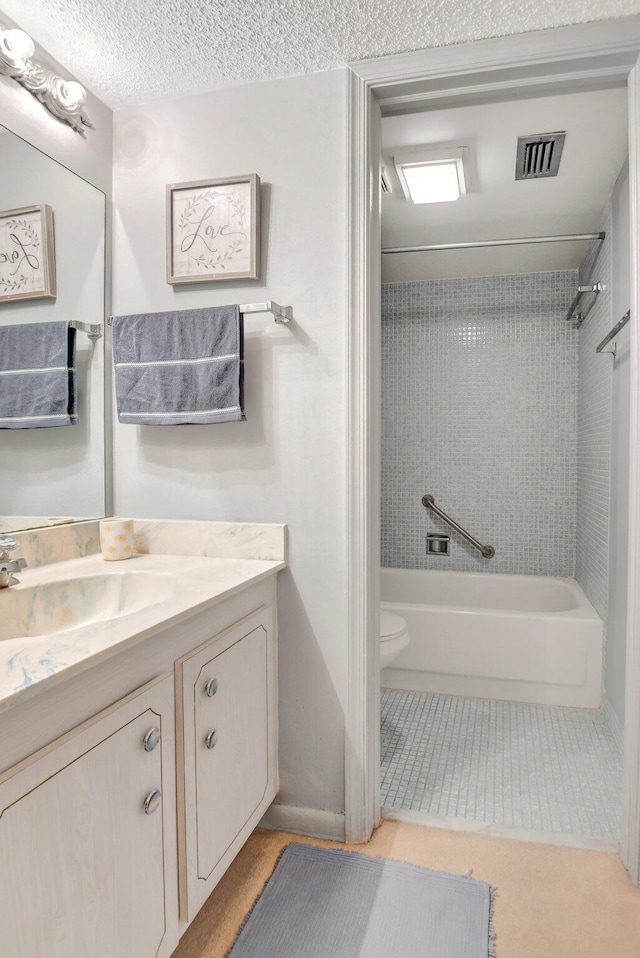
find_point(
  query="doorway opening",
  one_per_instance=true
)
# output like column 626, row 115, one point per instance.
column 564, row 61
column 503, row 706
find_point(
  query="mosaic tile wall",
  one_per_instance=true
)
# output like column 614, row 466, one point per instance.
column 479, row 385
column 594, row 433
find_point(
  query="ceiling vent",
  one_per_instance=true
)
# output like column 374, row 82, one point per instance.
column 539, row 155
column 385, row 184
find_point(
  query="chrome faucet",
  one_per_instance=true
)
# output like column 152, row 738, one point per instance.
column 7, row 565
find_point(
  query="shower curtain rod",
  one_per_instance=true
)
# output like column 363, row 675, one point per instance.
column 516, row 241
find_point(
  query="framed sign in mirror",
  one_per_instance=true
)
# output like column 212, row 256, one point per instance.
column 27, row 254
column 213, row 229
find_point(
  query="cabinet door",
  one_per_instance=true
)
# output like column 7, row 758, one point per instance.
column 85, row 870
column 229, row 750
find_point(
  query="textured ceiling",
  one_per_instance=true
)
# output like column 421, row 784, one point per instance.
column 139, row 50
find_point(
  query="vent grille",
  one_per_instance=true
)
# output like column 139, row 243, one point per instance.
column 539, row 155
column 385, row 185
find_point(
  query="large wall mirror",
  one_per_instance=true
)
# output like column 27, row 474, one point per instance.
column 55, row 474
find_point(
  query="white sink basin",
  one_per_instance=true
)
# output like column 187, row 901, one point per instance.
column 61, row 618
column 62, row 605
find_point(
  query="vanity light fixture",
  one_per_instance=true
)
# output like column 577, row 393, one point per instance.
column 64, row 98
column 432, row 176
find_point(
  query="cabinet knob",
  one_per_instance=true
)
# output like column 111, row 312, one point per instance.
column 151, row 739
column 211, row 739
column 211, row 687
column 152, row 802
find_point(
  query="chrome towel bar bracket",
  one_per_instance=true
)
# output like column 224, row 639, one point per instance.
column 281, row 314
column 93, row 330
column 429, row 503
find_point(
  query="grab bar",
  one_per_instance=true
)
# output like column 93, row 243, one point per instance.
column 429, row 503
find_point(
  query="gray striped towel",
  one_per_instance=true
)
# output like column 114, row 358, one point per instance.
column 179, row 367
column 37, row 375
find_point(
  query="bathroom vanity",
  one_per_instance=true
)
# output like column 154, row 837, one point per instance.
column 138, row 741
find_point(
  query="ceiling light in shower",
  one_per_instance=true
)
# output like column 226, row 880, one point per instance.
column 432, row 176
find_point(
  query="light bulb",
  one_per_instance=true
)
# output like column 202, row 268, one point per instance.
column 73, row 94
column 19, row 44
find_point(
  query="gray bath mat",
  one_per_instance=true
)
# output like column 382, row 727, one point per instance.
column 321, row 903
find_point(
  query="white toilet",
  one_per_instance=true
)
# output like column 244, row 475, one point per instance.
column 394, row 637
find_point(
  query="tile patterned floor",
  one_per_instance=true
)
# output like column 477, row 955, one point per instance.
column 503, row 763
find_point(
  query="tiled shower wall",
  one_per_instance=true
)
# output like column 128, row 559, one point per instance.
column 479, row 383
column 594, row 433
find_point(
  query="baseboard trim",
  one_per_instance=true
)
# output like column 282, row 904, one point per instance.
column 313, row 822
column 612, row 720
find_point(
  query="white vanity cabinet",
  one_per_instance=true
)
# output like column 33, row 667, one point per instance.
column 227, row 750
column 88, row 835
column 115, row 832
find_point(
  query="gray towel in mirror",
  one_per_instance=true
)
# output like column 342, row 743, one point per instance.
column 37, row 375
column 179, row 367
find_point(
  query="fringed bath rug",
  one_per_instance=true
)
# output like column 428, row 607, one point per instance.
column 321, row 903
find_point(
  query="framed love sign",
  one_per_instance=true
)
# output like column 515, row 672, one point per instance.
column 212, row 230
column 27, row 254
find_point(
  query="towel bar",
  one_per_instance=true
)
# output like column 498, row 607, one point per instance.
column 600, row 348
column 281, row 314
column 577, row 315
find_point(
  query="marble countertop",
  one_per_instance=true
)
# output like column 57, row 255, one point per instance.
column 175, row 588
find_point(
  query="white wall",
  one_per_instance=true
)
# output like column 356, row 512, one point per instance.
column 620, row 431
column 287, row 462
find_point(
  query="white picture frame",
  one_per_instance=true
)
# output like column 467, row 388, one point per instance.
column 27, row 254
column 213, row 229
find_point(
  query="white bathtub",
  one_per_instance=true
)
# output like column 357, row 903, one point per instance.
column 514, row 637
